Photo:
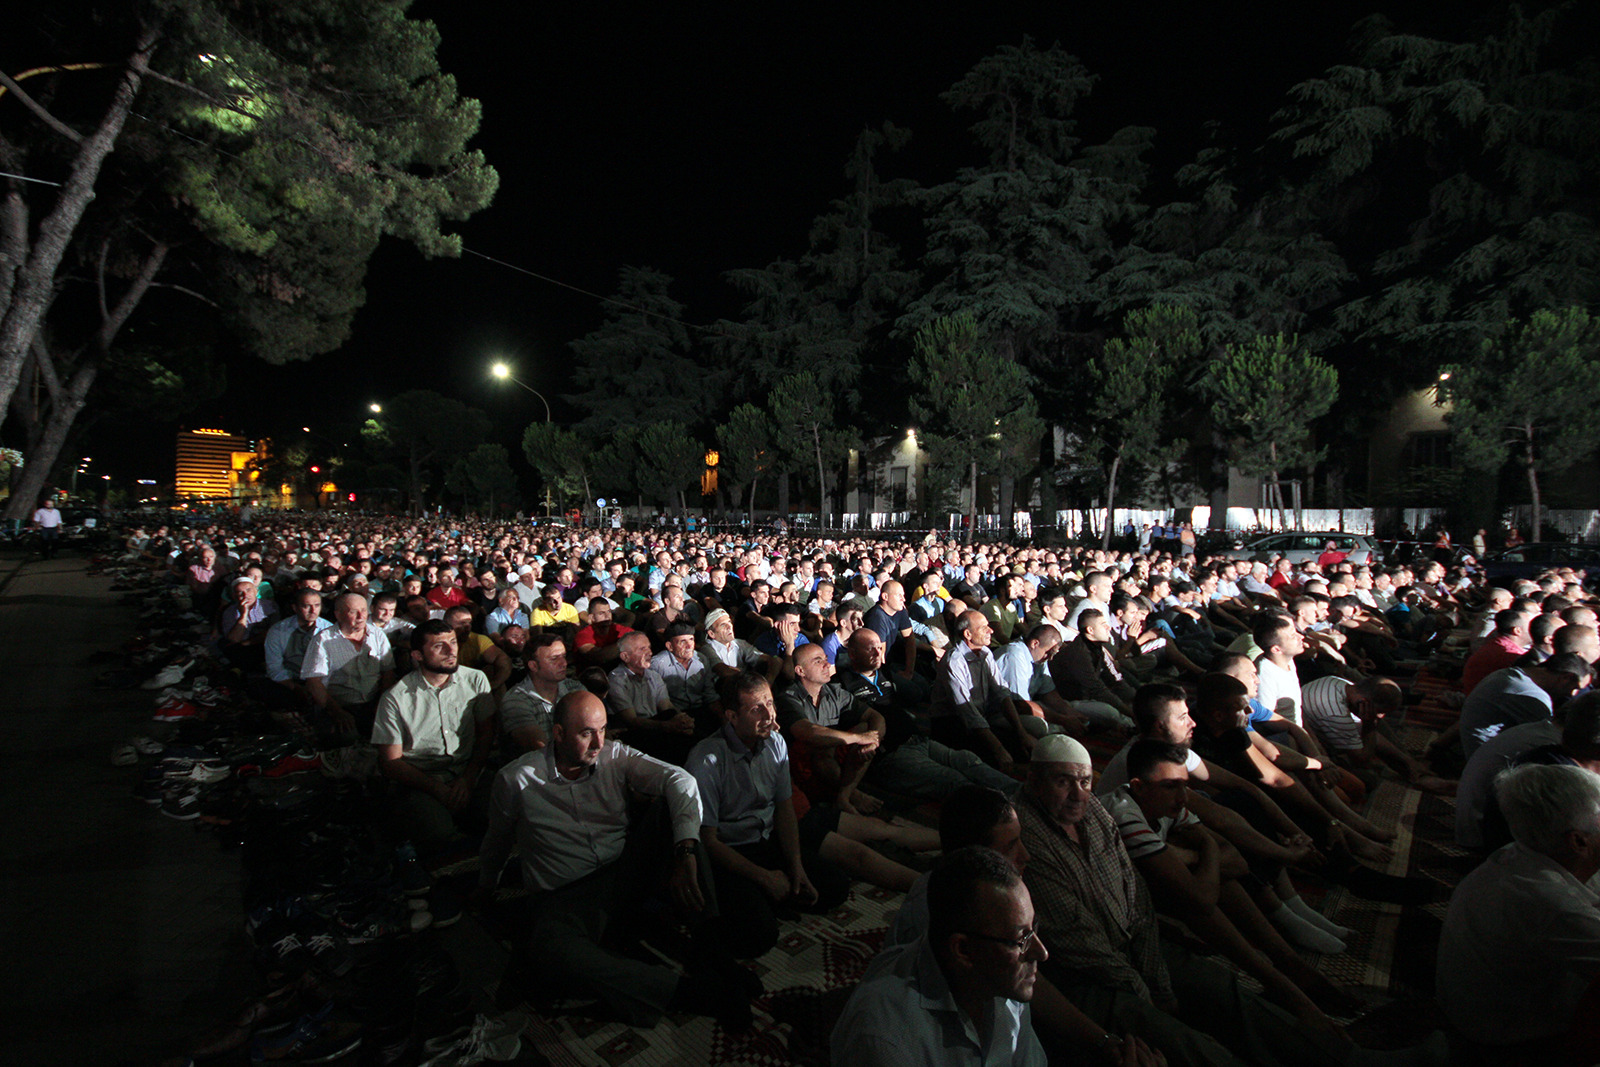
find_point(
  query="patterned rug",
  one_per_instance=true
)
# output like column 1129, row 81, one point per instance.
column 808, row 977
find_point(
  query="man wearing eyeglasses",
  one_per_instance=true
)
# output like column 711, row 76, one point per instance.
column 959, row 994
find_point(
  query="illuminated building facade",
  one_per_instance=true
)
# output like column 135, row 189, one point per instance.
column 216, row 464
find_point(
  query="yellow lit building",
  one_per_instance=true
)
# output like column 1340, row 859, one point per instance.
column 216, row 464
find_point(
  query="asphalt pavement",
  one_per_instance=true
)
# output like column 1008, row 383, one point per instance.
column 119, row 927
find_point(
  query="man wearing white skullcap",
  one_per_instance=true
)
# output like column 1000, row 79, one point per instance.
column 1095, row 916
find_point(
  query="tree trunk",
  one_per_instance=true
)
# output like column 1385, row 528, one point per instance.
column 1219, row 483
column 972, row 505
column 1008, row 504
column 752, row 512
column 783, row 497
column 39, row 464
column 1533, row 489
column 35, row 280
column 1111, row 501
column 822, row 480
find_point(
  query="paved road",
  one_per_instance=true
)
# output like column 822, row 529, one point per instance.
column 119, row 927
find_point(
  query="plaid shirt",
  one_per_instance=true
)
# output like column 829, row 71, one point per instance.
column 1094, row 910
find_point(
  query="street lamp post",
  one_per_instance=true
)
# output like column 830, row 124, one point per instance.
column 500, row 370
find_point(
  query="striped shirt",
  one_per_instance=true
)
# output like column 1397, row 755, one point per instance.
column 351, row 670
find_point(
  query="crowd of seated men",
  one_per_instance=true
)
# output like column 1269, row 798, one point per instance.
column 773, row 693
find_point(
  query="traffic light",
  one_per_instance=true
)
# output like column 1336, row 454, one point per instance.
column 316, row 470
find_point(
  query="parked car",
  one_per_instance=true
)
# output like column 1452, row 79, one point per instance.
column 1536, row 557
column 1300, row 546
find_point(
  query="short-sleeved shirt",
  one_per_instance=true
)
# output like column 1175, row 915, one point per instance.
column 1139, row 836
column 740, row 787
column 1115, row 776
column 566, row 613
column 1274, row 683
column 640, row 694
column 1325, row 707
column 1024, row 678
column 1505, row 698
column 470, row 649
column 690, row 686
column 968, row 687
column 525, row 706
column 434, row 726
column 350, row 670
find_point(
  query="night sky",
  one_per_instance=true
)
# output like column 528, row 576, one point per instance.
column 697, row 140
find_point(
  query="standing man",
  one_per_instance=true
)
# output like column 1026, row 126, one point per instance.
column 433, row 731
column 47, row 520
column 565, row 807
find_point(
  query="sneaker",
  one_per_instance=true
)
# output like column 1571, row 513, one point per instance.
column 316, row 1038
column 330, row 953
column 193, row 770
column 170, row 675
column 414, row 878
column 352, row 761
column 444, row 904
column 148, row 746
column 487, row 1040
column 175, row 710
column 182, row 804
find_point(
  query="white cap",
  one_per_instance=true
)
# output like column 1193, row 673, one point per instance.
column 1059, row 748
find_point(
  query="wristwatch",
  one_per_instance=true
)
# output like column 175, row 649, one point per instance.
column 682, row 849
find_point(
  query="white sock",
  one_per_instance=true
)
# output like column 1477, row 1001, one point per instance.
column 1316, row 918
column 1304, row 934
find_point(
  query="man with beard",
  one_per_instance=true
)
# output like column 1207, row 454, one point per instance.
column 433, row 732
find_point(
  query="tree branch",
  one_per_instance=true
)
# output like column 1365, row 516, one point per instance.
column 38, row 109
column 202, row 94
column 187, row 292
column 130, row 297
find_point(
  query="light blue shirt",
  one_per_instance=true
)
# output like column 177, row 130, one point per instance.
column 286, row 647
column 740, row 787
column 1023, row 677
column 903, row 1013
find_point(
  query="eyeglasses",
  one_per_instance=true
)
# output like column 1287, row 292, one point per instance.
column 1021, row 944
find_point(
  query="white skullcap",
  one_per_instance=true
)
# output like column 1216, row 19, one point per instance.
column 715, row 617
column 1059, row 748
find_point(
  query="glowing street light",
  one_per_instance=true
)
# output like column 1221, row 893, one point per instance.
column 503, row 372
column 376, row 409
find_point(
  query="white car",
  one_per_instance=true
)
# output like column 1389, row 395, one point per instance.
column 1300, row 546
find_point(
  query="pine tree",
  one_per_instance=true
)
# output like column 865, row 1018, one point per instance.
column 1529, row 396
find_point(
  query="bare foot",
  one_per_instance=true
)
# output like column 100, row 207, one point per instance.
column 1432, row 783
column 1370, row 851
column 1366, row 829
column 864, row 804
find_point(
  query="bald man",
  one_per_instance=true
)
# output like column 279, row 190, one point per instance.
column 565, row 807
column 972, row 708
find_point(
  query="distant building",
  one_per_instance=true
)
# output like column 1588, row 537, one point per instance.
column 216, row 464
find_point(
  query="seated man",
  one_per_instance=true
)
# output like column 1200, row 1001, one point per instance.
column 1022, row 669
column 780, row 640
column 832, row 737
column 972, row 708
column 760, row 852
column 565, row 807
column 727, row 655
column 478, row 651
column 1196, row 876
column 907, row 760
column 285, row 649
column 508, row 612
column 1084, row 669
column 637, row 694
column 965, row 985
column 446, row 594
column 1520, row 949
column 1517, row 695
column 527, row 707
column 1503, row 648
column 1347, row 718
column 1096, row 919
column 433, row 731
column 691, row 684
column 849, row 622
column 243, row 625
column 347, row 666
column 551, row 612
column 596, row 642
